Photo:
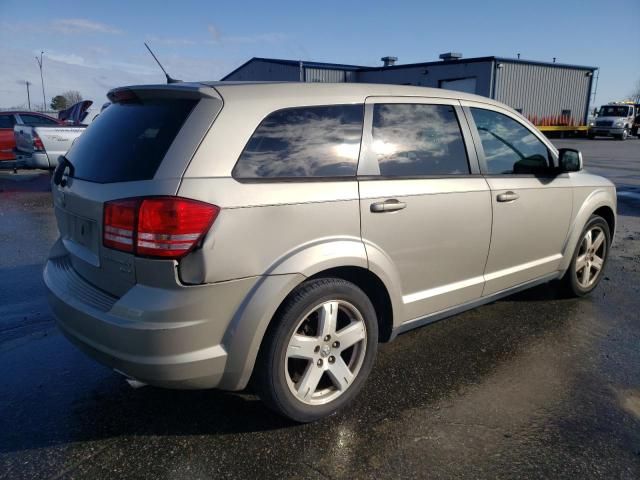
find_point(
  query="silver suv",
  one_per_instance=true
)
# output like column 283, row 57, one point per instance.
column 215, row 233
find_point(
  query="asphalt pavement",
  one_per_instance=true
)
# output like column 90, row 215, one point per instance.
column 532, row 386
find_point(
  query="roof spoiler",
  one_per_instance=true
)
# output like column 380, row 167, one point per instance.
column 172, row 90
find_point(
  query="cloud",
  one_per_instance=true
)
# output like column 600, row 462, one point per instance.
column 219, row 38
column 215, row 33
column 82, row 25
column 257, row 38
column 70, row 59
column 171, row 41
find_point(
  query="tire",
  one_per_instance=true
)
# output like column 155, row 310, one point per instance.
column 591, row 136
column 296, row 350
column 573, row 282
column 624, row 135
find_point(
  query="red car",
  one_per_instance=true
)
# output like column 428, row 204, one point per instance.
column 9, row 119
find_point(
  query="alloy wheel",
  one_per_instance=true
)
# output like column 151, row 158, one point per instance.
column 325, row 352
column 591, row 255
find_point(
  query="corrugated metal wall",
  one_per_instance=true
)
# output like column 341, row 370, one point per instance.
column 259, row 70
column 543, row 92
column 325, row 75
column 432, row 75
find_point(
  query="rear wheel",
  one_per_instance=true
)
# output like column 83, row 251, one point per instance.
column 319, row 350
column 589, row 258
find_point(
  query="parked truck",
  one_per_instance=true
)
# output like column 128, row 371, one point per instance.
column 618, row 120
column 40, row 146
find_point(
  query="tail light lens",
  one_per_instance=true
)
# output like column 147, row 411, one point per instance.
column 166, row 227
column 38, row 146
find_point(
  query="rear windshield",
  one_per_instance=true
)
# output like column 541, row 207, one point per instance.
column 128, row 141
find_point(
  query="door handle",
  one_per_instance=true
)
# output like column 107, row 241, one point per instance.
column 391, row 205
column 507, row 197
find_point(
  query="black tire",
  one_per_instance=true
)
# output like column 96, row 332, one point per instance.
column 591, row 136
column 272, row 374
column 623, row 136
column 569, row 282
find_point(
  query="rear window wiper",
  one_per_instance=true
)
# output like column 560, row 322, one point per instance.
column 64, row 164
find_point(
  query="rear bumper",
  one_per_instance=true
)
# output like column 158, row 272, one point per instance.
column 165, row 337
column 34, row 159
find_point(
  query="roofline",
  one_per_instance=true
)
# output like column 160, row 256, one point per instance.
column 359, row 68
column 479, row 60
column 428, row 64
column 546, row 64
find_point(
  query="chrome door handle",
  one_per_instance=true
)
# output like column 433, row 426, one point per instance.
column 391, row 205
column 508, row 197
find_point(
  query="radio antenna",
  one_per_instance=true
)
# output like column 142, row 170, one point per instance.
column 169, row 79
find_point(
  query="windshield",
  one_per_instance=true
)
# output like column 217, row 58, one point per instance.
column 613, row 111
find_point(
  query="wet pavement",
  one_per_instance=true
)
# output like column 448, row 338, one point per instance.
column 530, row 386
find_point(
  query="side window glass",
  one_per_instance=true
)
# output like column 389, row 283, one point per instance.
column 418, row 140
column 7, row 121
column 306, row 142
column 36, row 120
column 509, row 147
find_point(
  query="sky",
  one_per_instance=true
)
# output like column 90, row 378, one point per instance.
column 93, row 46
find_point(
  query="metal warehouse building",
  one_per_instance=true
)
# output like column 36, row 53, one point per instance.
column 549, row 94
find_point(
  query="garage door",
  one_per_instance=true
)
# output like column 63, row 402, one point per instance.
column 461, row 84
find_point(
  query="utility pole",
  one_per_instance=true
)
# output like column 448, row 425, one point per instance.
column 28, row 96
column 44, row 99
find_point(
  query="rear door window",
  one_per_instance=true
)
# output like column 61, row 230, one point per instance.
column 413, row 140
column 306, row 142
column 128, row 141
column 37, row 120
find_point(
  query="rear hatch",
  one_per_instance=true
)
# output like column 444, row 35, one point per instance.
column 139, row 147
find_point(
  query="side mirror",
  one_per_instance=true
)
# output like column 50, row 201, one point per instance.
column 569, row 160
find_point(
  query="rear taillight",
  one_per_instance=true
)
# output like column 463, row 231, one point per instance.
column 38, row 146
column 167, row 227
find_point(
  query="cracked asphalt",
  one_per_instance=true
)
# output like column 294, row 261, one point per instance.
column 529, row 386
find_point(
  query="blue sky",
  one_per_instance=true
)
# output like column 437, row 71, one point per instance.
column 94, row 46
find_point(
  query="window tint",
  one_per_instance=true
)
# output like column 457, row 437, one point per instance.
column 36, row 120
column 128, row 141
column 509, row 147
column 418, row 140
column 7, row 121
column 304, row 142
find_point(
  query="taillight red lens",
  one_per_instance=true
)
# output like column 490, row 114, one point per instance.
column 37, row 143
column 167, row 227
column 171, row 227
column 120, row 224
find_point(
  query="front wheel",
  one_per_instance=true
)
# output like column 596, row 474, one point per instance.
column 624, row 135
column 319, row 351
column 589, row 258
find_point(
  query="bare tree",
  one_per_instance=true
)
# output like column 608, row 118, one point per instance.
column 72, row 97
column 65, row 100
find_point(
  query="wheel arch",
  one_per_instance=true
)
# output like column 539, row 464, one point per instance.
column 373, row 287
column 599, row 202
column 344, row 258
